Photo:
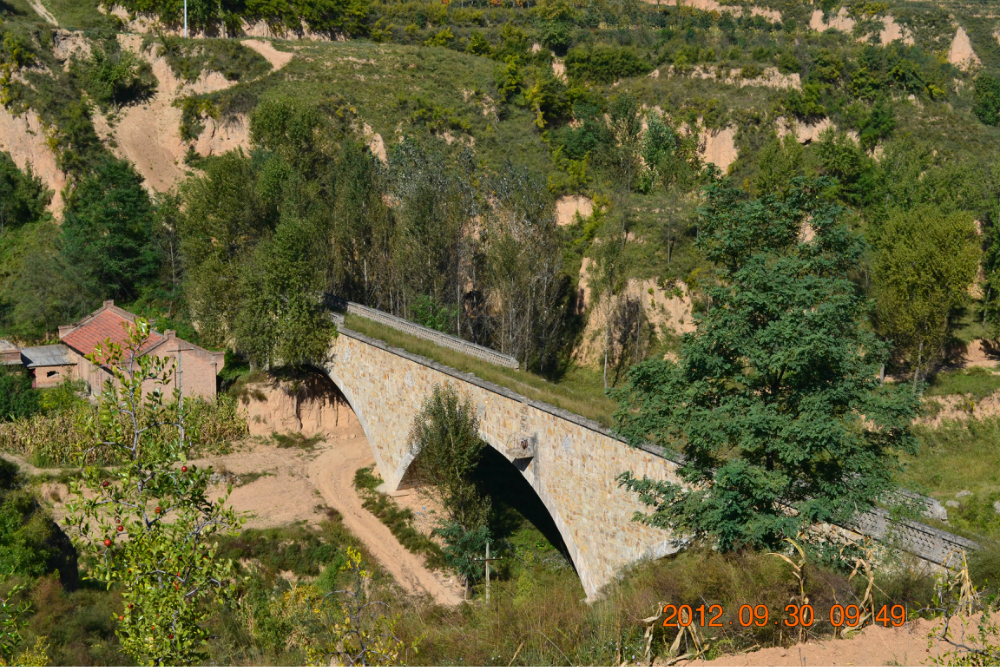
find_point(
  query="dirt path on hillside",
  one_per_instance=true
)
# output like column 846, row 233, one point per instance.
column 299, row 484
column 148, row 134
column 42, row 11
column 333, row 473
column 278, row 59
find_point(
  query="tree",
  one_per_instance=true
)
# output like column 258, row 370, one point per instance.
column 148, row 522
column 775, row 401
column 623, row 154
column 610, row 277
column 447, row 447
column 434, row 207
column 31, row 543
column 226, row 216
column 115, row 76
column 519, row 262
column 18, row 399
column 780, row 160
column 362, row 633
column 11, row 621
column 23, row 196
column 987, row 98
column 923, row 266
column 363, row 229
column 282, row 319
column 107, row 234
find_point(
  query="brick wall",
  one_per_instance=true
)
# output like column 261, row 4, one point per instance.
column 196, row 371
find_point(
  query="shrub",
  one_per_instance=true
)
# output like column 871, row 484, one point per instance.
column 805, row 104
column 18, row 399
column 30, row 542
column 987, row 99
column 398, row 520
column 115, row 76
column 605, row 64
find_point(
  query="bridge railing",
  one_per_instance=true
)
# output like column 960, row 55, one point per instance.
column 445, row 340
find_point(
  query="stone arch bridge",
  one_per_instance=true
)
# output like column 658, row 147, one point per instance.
column 569, row 461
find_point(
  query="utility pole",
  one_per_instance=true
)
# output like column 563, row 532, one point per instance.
column 487, row 560
column 185, row 19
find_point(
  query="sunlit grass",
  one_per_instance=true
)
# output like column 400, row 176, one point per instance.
column 955, row 457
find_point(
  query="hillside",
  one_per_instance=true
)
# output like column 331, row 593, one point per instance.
column 762, row 234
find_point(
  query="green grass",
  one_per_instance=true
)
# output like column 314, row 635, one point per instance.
column 977, row 381
column 381, row 84
column 77, row 14
column 188, row 58
column 578, row 391
column 960, row 456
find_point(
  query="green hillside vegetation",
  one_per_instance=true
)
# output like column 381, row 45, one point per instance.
column 489, row 112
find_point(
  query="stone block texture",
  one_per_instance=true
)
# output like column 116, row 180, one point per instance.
column 573, row 470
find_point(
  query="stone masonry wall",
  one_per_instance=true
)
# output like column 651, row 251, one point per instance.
column 573, row 470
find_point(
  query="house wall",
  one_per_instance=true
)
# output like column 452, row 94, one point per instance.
column 196, row 371
column 50, row 376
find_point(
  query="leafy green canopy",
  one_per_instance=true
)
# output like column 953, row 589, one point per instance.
column 23, row 197
column 987, row 99
column 775, row 401
column 107, row 237
column 924, row 263
column 30, row 542
column 445, row 438
column 18, row 399
column 255, row 241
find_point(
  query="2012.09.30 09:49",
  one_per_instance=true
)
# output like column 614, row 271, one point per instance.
column 710, row 616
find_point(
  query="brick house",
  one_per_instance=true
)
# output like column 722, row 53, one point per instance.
column 195, row 369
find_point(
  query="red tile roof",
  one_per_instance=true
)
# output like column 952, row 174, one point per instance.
column 108, row 322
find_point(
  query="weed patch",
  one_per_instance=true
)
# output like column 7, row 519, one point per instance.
column 189, row 58
column 296, row 440
column 957, row 457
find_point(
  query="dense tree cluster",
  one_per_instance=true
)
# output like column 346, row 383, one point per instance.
column 266, row 234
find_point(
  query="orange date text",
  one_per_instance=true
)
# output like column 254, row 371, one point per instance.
column 714, row 616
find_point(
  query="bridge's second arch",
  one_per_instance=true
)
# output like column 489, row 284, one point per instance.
column 570, row 463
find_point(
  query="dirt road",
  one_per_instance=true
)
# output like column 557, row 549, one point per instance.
column 333, row 474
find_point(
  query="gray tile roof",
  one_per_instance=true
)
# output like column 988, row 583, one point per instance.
column 46, row 355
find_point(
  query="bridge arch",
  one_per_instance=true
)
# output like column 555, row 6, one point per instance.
column 571, row 463
column 395, row 474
